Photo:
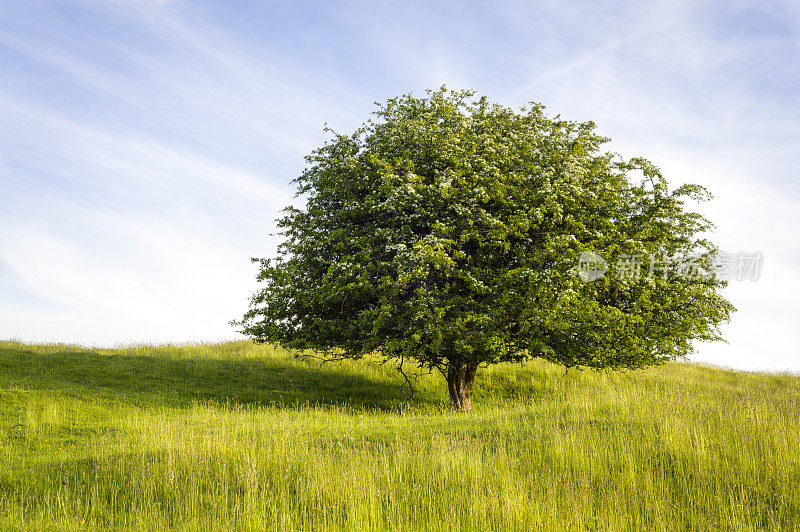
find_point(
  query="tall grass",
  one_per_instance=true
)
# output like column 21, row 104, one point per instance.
column 244, row 437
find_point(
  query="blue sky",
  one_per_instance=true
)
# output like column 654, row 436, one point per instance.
column 146, row 147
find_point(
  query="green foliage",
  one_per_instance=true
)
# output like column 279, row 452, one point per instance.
column 446, row 231
column 245, row 437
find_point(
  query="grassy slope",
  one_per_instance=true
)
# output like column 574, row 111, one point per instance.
column 244, row 437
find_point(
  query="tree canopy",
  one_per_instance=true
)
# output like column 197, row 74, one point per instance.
column 445, row 232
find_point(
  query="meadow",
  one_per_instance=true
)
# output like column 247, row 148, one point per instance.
column 237, row 436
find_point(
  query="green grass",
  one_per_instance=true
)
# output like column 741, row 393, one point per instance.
column 237, row 436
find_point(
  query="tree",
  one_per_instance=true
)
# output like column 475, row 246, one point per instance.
column 446, row 232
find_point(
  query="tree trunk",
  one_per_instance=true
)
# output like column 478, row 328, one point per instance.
column 459, row 384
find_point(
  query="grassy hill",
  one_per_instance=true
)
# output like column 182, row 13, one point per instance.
column 237, row 436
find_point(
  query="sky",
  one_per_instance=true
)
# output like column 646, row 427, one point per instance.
column 146, row 147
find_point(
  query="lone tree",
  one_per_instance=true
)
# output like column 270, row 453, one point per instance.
column 447, row 231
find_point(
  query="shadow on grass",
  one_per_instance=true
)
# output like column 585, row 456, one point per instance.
column 147, row 380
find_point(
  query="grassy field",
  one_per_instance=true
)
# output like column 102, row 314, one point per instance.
column 236, row 436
